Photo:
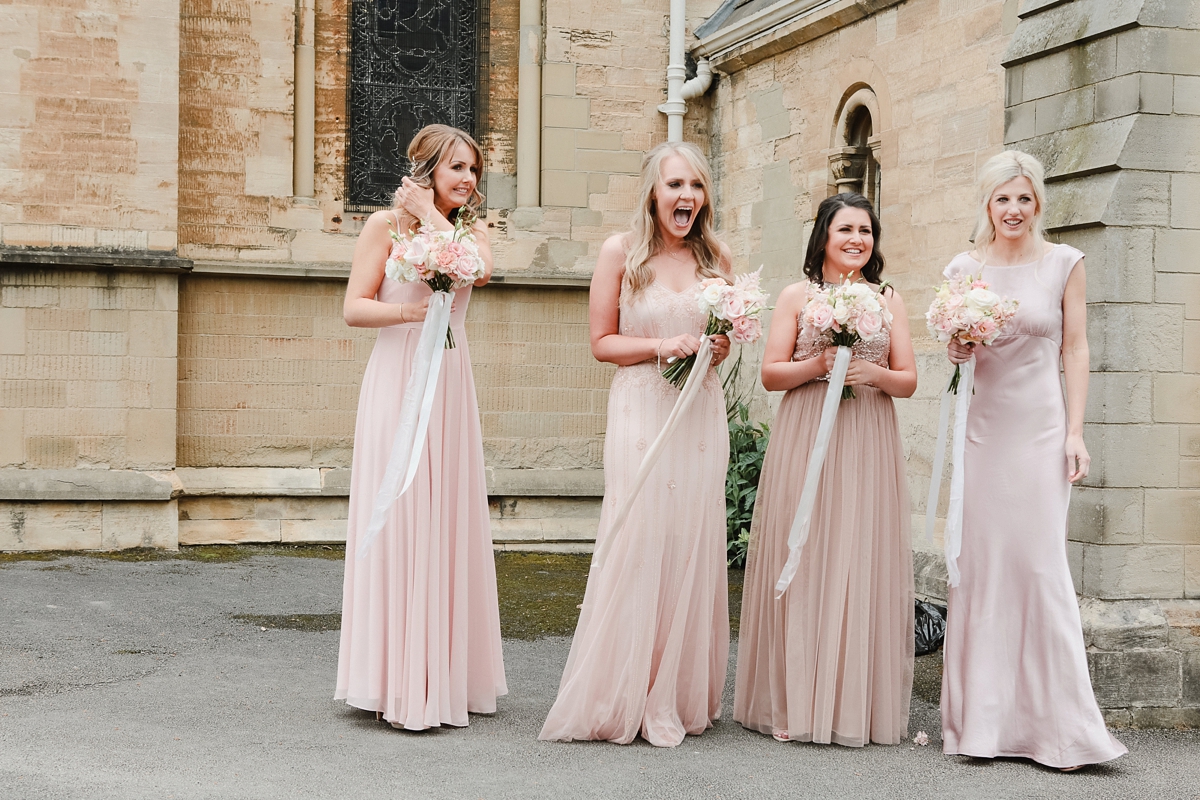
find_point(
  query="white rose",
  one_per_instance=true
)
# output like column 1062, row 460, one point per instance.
column 710, row 296
column 982, row 299
column 841, row 313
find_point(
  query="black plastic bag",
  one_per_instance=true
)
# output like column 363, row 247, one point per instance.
column 929, row 627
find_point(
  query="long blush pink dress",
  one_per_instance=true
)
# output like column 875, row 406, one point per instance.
column 652, row 642
column 832, row 660
column 1016, row 676
column 420, row 635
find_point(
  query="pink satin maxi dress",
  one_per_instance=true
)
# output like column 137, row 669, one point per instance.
column 420, row 637
column 832, row 660
column 1016, row 675
column 652, row 642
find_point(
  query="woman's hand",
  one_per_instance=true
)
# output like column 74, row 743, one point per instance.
column 415, row 199
column 959, row 353
column 415, row 311
column 862, row 373
column 680, row 346
column 720, row 347
column 1078, row 460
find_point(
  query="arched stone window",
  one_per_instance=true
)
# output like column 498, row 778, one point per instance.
column 854, row 157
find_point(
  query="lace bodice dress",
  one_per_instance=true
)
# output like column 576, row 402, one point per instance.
column 651, row 646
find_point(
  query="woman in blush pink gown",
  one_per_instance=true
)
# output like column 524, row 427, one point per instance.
column 832, row 660
column 1016, row 676
column 420, row 641
column 652, row 642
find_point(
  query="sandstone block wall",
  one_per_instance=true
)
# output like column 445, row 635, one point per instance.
column 87, row 369
column 88, row 124
column 268, row 373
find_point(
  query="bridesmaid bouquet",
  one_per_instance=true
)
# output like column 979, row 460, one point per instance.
column 444, row 260
column 734, row 309
column 846, row 313
column 966, row 310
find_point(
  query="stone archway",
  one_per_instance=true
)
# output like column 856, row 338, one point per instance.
column 855, row 145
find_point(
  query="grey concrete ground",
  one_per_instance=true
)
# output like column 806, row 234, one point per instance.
column 136, row 680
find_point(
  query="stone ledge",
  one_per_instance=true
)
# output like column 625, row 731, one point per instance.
column 264, row 481
column 1047, row 27
column 545, row 482
column 94, row 259
column 249, row 269
column 85, row 485
column 540, row 280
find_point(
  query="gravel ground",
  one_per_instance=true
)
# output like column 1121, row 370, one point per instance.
column 156, row 679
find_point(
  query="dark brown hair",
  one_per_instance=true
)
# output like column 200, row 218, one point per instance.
column 814, row 258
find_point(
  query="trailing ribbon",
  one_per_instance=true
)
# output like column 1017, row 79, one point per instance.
column 690, row 389
column 812, row 476
column 415, row 410
column 954, row 513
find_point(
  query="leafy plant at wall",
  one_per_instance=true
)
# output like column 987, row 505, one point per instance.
column 747, row 447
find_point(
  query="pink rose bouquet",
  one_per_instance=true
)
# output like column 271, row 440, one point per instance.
column 734, row 309
column 965, row 309
column 846, row 313
column 443, row 260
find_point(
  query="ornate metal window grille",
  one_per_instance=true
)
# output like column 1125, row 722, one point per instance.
column 412, row 63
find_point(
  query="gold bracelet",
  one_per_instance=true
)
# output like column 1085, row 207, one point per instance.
column 403, row 319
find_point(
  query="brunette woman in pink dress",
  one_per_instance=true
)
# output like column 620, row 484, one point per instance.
column 1016, row 675
column 652, row 642
column 420, row 642
column 832, row 660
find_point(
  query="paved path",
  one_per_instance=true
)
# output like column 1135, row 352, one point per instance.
column 135, row 680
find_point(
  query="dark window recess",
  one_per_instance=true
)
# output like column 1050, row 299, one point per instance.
column 412, row 63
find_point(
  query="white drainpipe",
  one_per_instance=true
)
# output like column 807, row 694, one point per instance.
column 679, row 89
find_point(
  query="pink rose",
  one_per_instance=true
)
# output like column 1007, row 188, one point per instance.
column 398, row 250
column 445, row 258
column 985, row 329
column 466, row 267
column 746, row 330
column 821, row 317
column 734, row 306
column 869, row 325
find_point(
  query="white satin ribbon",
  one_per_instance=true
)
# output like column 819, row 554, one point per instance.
column 812, row 476
column 954, row 513
column 691, row 388
column 939, row 459
column 415, row 410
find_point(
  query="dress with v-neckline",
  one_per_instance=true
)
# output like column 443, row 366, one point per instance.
column 652, row 643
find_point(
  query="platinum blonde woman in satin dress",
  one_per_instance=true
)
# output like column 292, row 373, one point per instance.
column 1015, row 681
column 420, row 641
column 652, row 642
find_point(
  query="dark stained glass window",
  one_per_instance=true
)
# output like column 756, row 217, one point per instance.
column 412, row 63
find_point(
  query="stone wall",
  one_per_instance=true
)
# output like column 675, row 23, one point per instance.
column 1111, row 104
column 88, row 124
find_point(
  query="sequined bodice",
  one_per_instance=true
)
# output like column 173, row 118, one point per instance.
column 876, row 351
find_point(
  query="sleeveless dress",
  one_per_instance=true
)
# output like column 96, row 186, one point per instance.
column 652, row 643
column 420, row 636
column 832, row 660
column 1015, row 681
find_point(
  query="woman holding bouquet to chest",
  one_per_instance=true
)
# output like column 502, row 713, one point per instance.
column 1016, row 676
column 420, row 641
column 652, row 641
column 831, row 660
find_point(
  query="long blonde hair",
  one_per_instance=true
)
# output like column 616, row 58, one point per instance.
column 999, row 170
column 644, row 241
column 430, row 147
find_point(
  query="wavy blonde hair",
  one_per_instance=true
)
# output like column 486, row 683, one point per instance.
column 430, row 147
column 999, row 170
column 644, row 241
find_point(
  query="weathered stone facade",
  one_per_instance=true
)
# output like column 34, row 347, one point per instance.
column 173, row 364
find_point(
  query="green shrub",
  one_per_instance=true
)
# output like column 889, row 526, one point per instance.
column 747, row 446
